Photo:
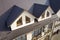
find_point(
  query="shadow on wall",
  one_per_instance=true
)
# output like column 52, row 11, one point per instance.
column 3, row 19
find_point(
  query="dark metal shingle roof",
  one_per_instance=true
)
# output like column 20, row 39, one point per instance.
column 55, row 5
column 15, row 12
column 38, row 9
column 29, row 28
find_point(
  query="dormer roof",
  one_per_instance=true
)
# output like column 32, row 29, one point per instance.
column 38, row 9
column 15, row 12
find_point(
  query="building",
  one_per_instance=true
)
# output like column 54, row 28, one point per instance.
column 55, row 5
column 40, row 12
column 19, row 18
column 29, row 22
column 19, row 33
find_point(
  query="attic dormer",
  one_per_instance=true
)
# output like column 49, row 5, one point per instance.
column 41, row 11
column 47, row 13
column 22, row 20
column 19, row 18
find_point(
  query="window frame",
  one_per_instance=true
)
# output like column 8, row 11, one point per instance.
column 27, row 19
column 47, row 14
column 43, row 15
column 19, row 22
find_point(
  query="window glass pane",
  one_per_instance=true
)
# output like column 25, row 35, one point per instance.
column 47, row 13
column 19, row 22
column 50, row 25
column 33, row 34
column 43, row 28
column 36, row 32
column 18, row 38
column 43, row 15
column 22, row 37
column 27, row 19
column 39, row 31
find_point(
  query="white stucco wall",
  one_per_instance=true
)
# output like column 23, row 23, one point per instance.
column 25, row 13
column 29, row 35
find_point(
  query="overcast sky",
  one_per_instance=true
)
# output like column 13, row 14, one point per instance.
column 26, row 4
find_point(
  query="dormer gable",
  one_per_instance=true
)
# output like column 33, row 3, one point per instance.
column 19, row 18
column 41, row 11
column 46, row 14
column 23, row 20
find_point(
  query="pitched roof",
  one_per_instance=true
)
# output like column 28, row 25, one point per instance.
column 3, row 20
column 38, row 9
column 55, row 5
column 15, row 12
column 4, row 33
column 13, row 34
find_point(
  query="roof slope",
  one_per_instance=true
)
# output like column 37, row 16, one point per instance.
column 38, row 9
column 27, row 29
column 3, row 20
column 55, row 5
column 15, row 12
